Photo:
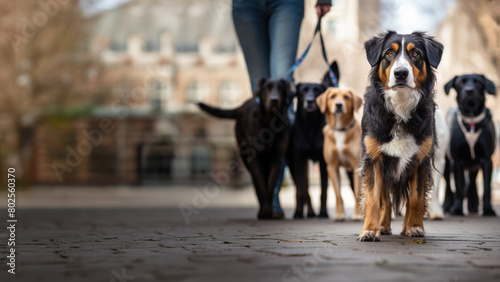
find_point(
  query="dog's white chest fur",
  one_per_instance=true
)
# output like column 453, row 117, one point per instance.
column 401, row 102
column 404, row 149
column 339, row 144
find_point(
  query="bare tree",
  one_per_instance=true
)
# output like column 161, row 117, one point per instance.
column 43, row 68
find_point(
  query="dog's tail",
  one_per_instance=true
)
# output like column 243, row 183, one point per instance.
column 229, row 114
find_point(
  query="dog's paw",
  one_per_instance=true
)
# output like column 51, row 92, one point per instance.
column 369, row 236
column 298, row 215
column 311, row 215
column 473, row 204
column 457, row 211
column 265, row 214
column 385, row 230
column 489, row 212
column 339, row 218
column 323, row 214
column 415, row 231
column 357, row 217
column 436, row 215
column 278, row 215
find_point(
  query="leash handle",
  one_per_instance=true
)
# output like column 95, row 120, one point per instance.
column 298, row 61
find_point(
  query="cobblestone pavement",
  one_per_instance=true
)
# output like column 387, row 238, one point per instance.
column 215, row 243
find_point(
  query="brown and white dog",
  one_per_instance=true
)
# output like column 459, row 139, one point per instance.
column 341, row 146
column 398, row 131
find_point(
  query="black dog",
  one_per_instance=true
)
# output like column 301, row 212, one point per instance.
column 472, row 141
column 262, row 131
column 307, row 144
column 398, row 131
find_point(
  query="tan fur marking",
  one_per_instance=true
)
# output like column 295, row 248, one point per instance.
column 372, row 202
column 395, row 46
column 385, row 214
column 420, row 76
column 425, row 148
column 382, row 75
column 417, row 205
column 410, row 46
column 372, row 147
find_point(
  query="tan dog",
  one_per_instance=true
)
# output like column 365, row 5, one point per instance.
column 342, row 137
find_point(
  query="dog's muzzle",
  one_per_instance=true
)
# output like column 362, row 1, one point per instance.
column 339, row 108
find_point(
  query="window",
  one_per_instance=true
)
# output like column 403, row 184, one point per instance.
column 118, row 45
column 229, row 93
column 156, row 96
column 196, row 91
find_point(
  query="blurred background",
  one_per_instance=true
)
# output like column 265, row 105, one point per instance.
column 100, row 93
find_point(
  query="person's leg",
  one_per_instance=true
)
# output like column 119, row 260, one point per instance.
column 284, row 28
column 251, row 24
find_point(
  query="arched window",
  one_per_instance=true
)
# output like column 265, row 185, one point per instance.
column 196, row 91
column 229, row 93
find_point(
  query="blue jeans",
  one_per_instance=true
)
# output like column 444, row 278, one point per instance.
column 268, row 31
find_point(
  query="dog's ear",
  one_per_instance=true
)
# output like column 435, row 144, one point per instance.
column 489, row 85
column 258, row 89
column 374, row 47
column 290, row 90
column 321, row 101
column 326, row 78
column 449, row 85
column 357, row 101
column 434, row 50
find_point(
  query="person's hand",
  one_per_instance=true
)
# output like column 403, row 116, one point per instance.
column 322, row 9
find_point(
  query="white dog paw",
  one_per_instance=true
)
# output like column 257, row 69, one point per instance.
column 369, row 236
column 415, row 231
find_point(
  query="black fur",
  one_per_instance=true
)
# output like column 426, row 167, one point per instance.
column 262, row 131
column 471, row 99
column 307, row 144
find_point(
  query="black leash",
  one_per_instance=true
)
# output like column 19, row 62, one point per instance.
column 299, row 60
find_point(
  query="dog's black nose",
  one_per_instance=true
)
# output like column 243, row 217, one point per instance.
column 338, row 105
column 401, row 73
column 274, row 101
column 310, row 103
column 469, row 91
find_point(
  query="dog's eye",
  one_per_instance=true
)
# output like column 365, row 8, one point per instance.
column 333, row 96
column 414, row 54
column 461, row 83
column 478, row 83
column 389, row 53
column 346, row 97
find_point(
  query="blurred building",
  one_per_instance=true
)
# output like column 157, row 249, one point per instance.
column 471, row 36
column 159, row 58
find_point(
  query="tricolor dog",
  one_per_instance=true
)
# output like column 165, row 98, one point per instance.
column 398, row 131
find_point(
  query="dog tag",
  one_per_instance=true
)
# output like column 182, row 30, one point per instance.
column 472, row 127
column 397, row 133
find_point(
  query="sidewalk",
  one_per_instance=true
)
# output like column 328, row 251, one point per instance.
column 217, row 240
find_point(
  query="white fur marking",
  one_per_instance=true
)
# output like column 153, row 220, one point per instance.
column 404, row 148
column 402, row 61
column 340, row 143
column 401, row 102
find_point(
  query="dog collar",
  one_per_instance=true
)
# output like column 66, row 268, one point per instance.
column 472, row 120
column 351, row 125
column 471, row 136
